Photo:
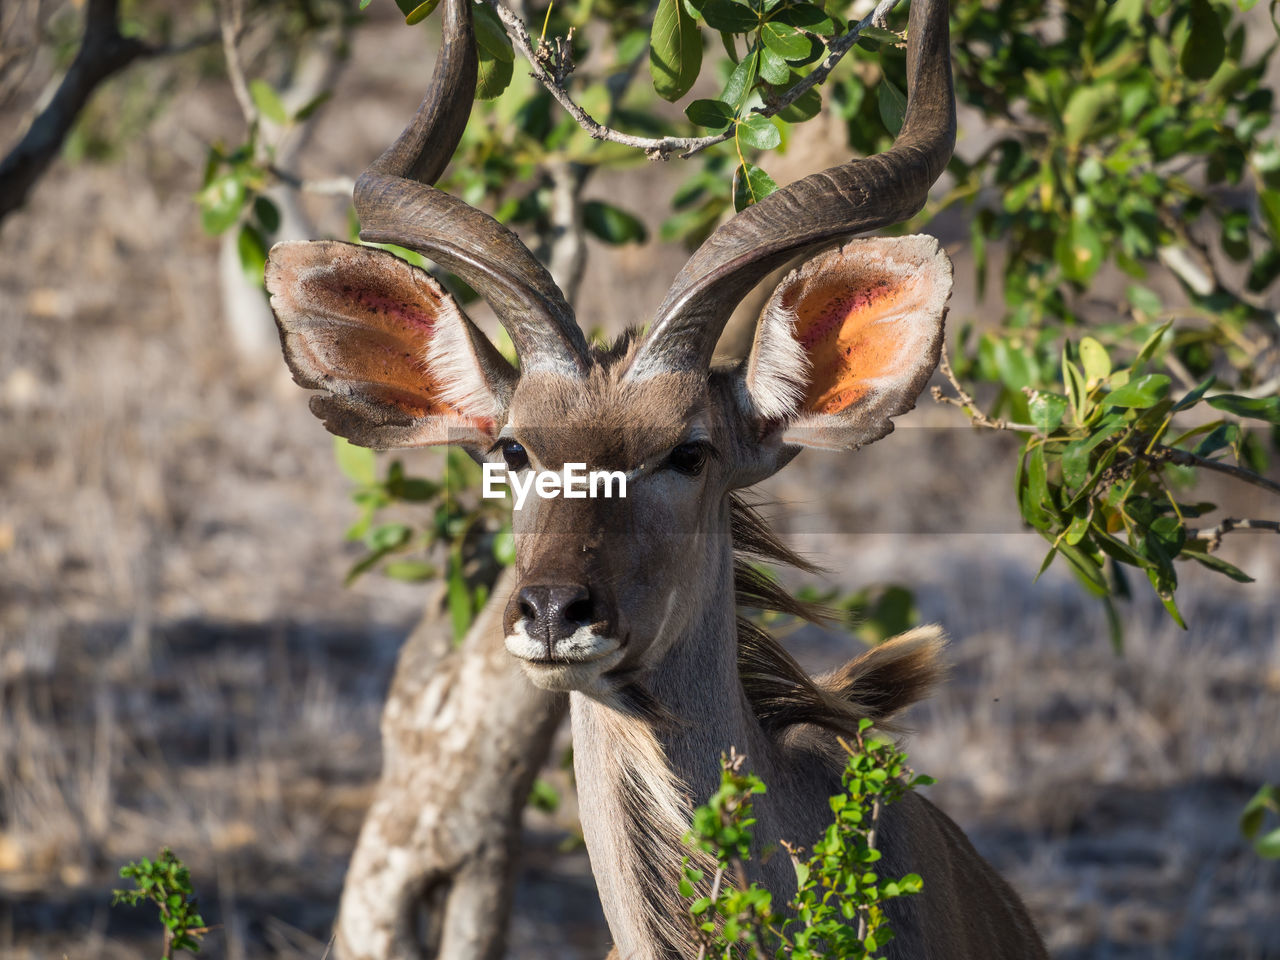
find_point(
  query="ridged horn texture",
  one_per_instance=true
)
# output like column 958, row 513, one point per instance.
column 396, row 203
column 826, row 207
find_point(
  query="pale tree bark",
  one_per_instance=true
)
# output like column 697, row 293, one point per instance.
column 463, row 736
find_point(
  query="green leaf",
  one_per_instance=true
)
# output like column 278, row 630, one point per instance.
column 268, row 102
column 1267, row 798
column 1269, row 203
column 728, row 16
column 420, row 12
column 1268, row 847
column 1082, row 111
column 1205, row 45
column 1075, row 458
column 809, row 17
column 1192, row 398
column 612, row 224
column 1152, row 344
column 1256, row 408
column 1076, row 392
column 543, row 796
column 759, row 131
column 411, row 571
column 738, row 87
column 268, row 214
column 251, row 247
column 1142, row 392
column 751, row 185
column 364, row 565
column 1097, row 365
column 491, row 38
column 493, row 76
column 773, row 68
column 785, row 40
column 712, row 114
column 388, row 536
column 312, row 105
column 1079, row 250
column 1047, row 410
column 805, row 107
column 1217, row 564
column 459, row 598
column 893, row 105
column 675, row 50
column 504, row 547
column 358, row 464
column 221, row 202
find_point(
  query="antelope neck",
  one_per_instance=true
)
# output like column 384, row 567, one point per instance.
column 639, row 779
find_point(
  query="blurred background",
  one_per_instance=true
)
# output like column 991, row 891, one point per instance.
column 180, row 663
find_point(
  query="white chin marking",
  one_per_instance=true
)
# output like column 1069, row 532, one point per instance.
column 576, row 662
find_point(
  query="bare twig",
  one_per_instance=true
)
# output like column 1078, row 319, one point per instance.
column 231, row 22
column 1213, row 535
column 329, row 187
column 969, row 405
column 871, row 845
column 102, row 54
column 661, row 148
column 715, row 895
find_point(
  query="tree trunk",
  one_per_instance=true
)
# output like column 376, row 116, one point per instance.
column 463, row 734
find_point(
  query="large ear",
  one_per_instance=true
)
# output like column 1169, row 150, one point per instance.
column 848, row 341
column 399, row 363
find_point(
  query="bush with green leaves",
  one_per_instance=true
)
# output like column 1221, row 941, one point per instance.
column 838, row 907
column 466, row 539
column 166, row 883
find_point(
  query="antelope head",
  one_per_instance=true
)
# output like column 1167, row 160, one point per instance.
column 846, row 342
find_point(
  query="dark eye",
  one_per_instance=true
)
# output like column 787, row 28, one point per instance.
column 513, row 453
column 689, row 458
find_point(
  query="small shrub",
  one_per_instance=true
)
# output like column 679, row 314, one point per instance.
column 837, row 909
column 166, row 882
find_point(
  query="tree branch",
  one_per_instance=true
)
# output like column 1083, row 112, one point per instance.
column 103, row 52
column 968, row 404
column 1213, row 535
column 1185, row 458
column 329, row 187
column 231, row 25
column 661, row 148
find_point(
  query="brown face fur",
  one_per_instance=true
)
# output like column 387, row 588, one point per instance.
column 642, row 557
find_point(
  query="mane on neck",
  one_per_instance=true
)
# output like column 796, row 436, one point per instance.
column 880, row 683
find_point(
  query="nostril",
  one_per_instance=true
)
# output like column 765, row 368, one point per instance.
column 533, row 602
column 579, row 610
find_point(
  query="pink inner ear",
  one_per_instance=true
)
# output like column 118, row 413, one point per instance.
column 836, row 326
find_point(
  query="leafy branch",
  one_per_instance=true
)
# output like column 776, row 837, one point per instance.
column 838, row 907
column 166, row 882
column 551, row 67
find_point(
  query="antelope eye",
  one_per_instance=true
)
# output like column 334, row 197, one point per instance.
column 515, row 455
column 689, row 458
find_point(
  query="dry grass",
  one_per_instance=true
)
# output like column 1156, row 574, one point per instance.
column 178, row 664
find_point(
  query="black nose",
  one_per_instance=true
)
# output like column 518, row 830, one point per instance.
column 555, row 612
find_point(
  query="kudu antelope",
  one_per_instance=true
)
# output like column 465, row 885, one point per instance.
column 630, row 604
